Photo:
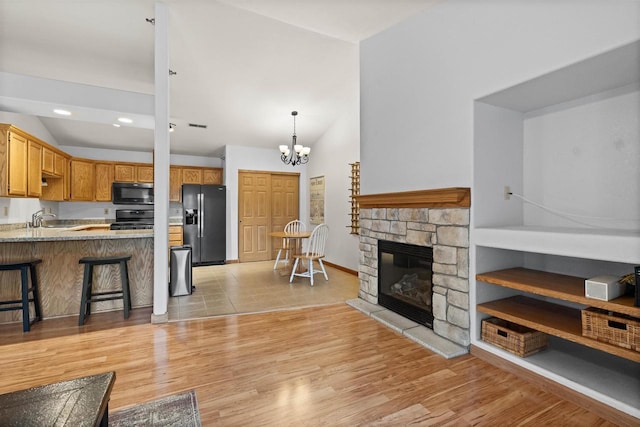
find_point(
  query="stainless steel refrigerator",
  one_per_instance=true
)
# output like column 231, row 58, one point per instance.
column 204, row 222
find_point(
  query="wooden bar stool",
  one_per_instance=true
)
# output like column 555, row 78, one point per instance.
column 88, row 296
column 25, row 267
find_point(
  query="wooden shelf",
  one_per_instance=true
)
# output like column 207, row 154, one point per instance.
column 553, row 319
column 559, row 286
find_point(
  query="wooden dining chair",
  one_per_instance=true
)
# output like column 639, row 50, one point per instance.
column 287, row 244
column 314, row 251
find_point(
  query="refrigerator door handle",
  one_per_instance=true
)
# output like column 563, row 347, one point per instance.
column 202, row 195
column 200, row 214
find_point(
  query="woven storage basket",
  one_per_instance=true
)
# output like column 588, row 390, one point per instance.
column 512, row 337
column 613, row 328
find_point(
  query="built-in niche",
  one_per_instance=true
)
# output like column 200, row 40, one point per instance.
column 556, row 190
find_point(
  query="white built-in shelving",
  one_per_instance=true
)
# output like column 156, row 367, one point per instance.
column 551, row 256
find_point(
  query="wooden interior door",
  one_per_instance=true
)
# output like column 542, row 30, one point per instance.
column 284, row 204
column 266, row 202
column 254, row 212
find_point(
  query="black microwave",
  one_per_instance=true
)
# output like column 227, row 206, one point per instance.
column 132, row 193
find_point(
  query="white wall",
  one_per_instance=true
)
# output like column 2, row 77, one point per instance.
column 330, row 157
column 419, row 78
column 256, row 159
column 596, row 167
column 30, row 124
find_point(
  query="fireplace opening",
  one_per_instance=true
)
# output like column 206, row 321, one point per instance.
column 404, row 280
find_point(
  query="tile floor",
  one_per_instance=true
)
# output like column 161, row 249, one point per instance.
column 256, row 287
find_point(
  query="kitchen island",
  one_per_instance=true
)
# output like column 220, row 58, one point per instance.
column 60, row 274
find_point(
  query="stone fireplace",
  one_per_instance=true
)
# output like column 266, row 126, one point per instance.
column 437, row 219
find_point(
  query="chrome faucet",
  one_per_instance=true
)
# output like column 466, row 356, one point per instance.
column 36, row 218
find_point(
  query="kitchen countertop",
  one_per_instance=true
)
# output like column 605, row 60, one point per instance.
column 85, row 232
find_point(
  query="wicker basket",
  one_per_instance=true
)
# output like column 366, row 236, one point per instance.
column 512, row 337
column 613, row 328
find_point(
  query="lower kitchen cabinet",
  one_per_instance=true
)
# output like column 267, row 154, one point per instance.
column 175, row 235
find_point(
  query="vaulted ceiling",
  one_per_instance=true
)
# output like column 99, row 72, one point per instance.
column 241, row 66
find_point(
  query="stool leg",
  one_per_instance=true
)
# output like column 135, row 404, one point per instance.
column 124, row 277
column 86, row 283
column 89, row 289
column 35, row 292
column 24, row 284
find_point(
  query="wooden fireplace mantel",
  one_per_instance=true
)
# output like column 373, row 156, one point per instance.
column 454, row 197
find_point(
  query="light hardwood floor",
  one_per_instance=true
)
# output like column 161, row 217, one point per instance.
column 326, row 365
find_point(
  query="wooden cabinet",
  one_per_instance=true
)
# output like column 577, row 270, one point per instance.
column 104, row 181
column 57, row 188
column 82, row 180
column 179, row 175
column 144, row 173
column 52, row 163
column 175, row 235
column 175, row 183
column 212, row 176
column 34, row 169
column 13, row 161
column 133, row 172
column 48, row 162
column 60, row 166
column 125, row 172
column 191, row 175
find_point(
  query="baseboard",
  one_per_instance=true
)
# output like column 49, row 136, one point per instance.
column 605, row 411
column 231, row 261
column 339, row 267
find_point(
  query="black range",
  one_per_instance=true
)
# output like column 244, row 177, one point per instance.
column 133, row 219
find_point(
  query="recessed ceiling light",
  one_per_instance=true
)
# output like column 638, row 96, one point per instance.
column 125, row 120
column 62, row 112
column 116, row 125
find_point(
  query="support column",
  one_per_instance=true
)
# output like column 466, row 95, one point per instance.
column 161, row 167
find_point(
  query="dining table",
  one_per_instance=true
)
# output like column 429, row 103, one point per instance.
column 294, row 243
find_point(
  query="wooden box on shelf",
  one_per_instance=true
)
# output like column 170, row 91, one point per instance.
column 614, row 328
column 517, row 339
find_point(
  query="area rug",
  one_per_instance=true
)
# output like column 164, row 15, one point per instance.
column 177, row 410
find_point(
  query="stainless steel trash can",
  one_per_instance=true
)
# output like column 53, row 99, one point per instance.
column 180, row 266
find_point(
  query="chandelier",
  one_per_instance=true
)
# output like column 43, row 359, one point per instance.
column 297, row 154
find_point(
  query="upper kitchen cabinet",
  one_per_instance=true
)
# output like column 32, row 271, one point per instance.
column 212, row 176
column 82, row 180
column 54, row 174
column 144, row 173
column 105, row 173
column 125, row 172
column 53, row 163
column 57, row 189
column 175, row 183
column 48, row 161
column 13, row 161
column 34, row 169
column 133, row 172
column 191, row 175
